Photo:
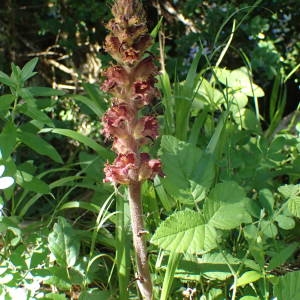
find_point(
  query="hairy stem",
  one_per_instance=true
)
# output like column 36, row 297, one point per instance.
column 138, row 232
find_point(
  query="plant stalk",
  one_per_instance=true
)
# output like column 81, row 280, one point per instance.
column 136, row 212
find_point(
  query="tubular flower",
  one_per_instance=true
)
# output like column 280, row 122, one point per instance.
column 131, row 82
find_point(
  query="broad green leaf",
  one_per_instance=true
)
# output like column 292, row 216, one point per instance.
column 240, row 80
column 294, row 206
column 189, row 172
column 281, row 257
column 27, row 70
column 269, row 228
column 213, row 265
column 102, row 151
column 5, row 102
column 38, row 91
column 63, row 243
column 289, row 190
column 39, row 145
column 249, row 298
column 206, row 94
column 248, row 277
column 185, row 231
column 288, row 286
column 285, row 222
column 225, row 207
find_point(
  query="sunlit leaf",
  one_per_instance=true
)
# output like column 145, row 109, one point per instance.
column 63, row 243
column 185, row 231
column 288, row 286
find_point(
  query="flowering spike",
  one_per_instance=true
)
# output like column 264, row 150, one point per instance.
column 131, row 82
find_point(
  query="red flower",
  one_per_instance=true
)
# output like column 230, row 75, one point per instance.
column 145, row 69
column 144, row 92
column 117, row 80
column 149, row 168
column 146, row 129
column 115, row 121
column 122, row 171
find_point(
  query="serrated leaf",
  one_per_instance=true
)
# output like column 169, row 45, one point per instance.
column 288, row 286
column 63, row 243
column 39, row 145
column 294, row 206
column 248, row 277
column 185, row 231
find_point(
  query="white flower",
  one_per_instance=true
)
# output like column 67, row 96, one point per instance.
column 6, row 181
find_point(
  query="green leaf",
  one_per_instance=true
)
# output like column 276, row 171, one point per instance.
column 59, row 278
column 102, row 151
column 289, row 190
column 269, row 228
column 94, row 106
column 248, row 277
column 281, row 257
column 38, row 91
column 288, row 286
column 240, row 80
column 5, row 102
column 8, row 139
column 31, row 183
column 39, row 145
column 225, row 207
column 285, row 222
column 185, row 231
column 186, row 179
column 5, row 79
column 30, row 109
column 249, row 298
column 266, row 200
column 294, row 206
column 27, row 70
column 95, row 294
column 63, row 243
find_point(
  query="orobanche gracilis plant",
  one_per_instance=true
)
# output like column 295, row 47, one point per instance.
column 131, row 83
